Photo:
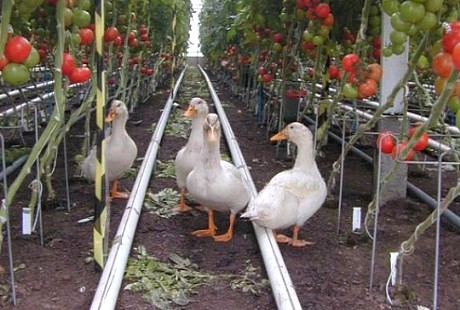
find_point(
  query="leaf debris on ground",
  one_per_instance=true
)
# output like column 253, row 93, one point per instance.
column 167, row 285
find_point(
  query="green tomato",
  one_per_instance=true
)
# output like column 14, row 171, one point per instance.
column 390, row 6
column 350, row 91
column 318, row 40
column 398, row 49
column 422, row 62
column 398, row 37
column 387, row 51
column 307, row 36
column 433, row 5
column 454, row 103
column 81, row 18
column 412, row 12
column 15, row 74
column 375, row 21
column 33, row 59
column 397, row 23
column 84, row 4
column 428, row 21
column 457, row 118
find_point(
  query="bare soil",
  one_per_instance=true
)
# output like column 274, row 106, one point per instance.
column 331, row 274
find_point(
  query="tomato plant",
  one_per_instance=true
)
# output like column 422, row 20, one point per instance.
column 17, row 49
column 386, row 142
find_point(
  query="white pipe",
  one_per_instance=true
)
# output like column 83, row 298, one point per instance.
column 415, row 117
column 280, row 281
column 33, row 101
column 431, row 142
column 109, row 285
column 26, row 89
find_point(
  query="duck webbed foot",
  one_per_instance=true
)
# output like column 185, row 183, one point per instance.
column 296, row 242
column 182, row 206
column 229, row 234
column 211, row 231
column 114, row 193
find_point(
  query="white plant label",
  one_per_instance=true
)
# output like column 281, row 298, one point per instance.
column 26, row 221
column 393, row 265
column 356, row 218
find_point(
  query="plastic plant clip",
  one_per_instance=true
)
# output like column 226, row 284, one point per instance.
column 3, row 212
column 26, row 221
column 393, row 266
column 356, row 219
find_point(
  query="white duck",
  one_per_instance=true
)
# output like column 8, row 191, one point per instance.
column 121, row 151
column 292, row 196
column 188, row 156
column 216, row 184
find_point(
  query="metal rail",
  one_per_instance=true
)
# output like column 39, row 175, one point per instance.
column 280, row 281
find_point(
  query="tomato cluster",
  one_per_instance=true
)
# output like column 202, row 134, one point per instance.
column 387, row 143
column 408, row 19
column 19, row 56
column 319, row 27
column 447, row 60
column 362, row 79
column 72, row 72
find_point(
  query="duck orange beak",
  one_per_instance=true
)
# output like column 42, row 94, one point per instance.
column 190, row 111
column 111, row 116
column 279, row 136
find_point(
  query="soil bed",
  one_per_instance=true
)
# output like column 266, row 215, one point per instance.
column 331, row 274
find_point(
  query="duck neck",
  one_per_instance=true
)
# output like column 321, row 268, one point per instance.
column 305, row 158
column 196, row 134
column 118, row 126
column 212, row 153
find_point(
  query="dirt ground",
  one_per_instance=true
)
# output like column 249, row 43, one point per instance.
column 331, row 274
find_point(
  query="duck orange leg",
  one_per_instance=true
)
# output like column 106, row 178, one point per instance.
column 281, row 238
column 211, row 231
column 296, row 242
column 114, row 193
column 182, row 206
column 229, row 234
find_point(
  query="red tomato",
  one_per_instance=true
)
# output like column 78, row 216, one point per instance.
column 110, row 34
column 374, row 71
column 350, row 62
column 422, row 142
column 328, row 20
column 80, row 75
column 386, row 141
column 322, row 10
column 17, row 49
column 398, row 149
column 450, row 39
column 118, row 41
column 442, row 64
column 334, row 72
column 68, row 64
column 278, row 37
column 86, row 36
column 262, row 71
column 456, row 57
column 367, row 89
column 3, row 62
